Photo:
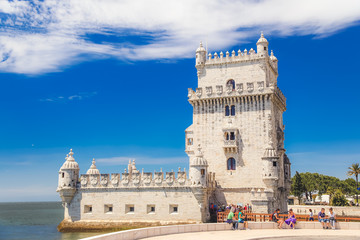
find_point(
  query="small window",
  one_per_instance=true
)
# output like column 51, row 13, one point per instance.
column 232, row 135
column 63, row 175
column 173, row 208
column 274, row 164
column 227, row 136
column 227, row 111
column 231, row 164
column 190, row 141
column 88, row 209
column 108, row 208
column 265, row 48
column 232, row 110
column 150, row 208
column 202, row 172
column 129, row 208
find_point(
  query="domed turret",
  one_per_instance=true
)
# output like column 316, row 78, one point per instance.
column 270, row 166
column 68, row 178
column 200, row 55
column 198, row 169
column 93, row 170
column 274, row 59
column 262, row 45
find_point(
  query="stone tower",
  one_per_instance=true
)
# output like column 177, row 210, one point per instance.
column 237, row 119
column 68, row 179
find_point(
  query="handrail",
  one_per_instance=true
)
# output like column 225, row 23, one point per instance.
column 264, row 217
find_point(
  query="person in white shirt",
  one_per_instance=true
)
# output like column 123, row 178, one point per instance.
column 332, row 218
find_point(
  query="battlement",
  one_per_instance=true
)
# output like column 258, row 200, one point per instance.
column 236, row 57
column 138, row 180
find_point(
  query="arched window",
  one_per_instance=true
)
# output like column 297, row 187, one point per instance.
column 231, row 83
column 227, row 111
column 227, row 136
column 232, row 110
column 231, row 164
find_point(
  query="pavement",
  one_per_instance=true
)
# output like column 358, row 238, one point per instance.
column 269, row 234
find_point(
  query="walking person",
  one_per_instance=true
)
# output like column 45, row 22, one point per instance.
column 311, row 215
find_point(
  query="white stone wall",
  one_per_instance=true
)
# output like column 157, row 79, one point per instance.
column 161, row 198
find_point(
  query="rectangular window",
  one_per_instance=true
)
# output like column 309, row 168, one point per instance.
column 232, row 110
column 88, row 209
column 150, row 208
column 62, row 175
column 274, row 164
column 129, row 208
column 227, row 111
column 108, row 208
column 202, row 172
column 173, row 209
column 190, row 141
column 232, row 135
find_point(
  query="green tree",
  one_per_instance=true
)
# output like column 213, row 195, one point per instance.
column 338, row 199
column 297, row 187
column 354, row 170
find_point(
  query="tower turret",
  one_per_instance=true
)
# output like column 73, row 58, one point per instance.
column 262, row 46
column 68, row 178
column 200, row 59
column 198, row 169
column 274, row 59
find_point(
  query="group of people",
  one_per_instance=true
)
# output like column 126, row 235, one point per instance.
column 239, row 210
column 327, row 221
column 291, row 220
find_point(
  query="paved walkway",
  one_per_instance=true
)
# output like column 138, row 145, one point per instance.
column 288, row 234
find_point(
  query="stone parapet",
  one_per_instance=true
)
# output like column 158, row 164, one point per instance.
column 127, row 180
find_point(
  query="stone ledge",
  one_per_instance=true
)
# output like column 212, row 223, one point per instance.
column 174, row 229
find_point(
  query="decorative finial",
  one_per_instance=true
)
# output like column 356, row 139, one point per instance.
column 262, row 34
column 272, row 53
column 160, row 169
column 71, row 152
column 201, row 45
column 93, row 161
column 179, row 169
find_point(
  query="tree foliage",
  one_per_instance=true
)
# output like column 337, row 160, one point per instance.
column 338, row 199
column 308, row 183
column 297, row 188
column 354, row 170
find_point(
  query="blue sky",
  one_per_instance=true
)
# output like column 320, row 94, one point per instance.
column 114, row 86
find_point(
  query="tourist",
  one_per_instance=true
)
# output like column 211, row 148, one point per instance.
column 231, row 220
column 291, row 219
column 276, row 218
column 242, row 219
column 311, row 215
column 332, row 218
column 322, row 218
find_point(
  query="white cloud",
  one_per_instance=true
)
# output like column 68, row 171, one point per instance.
column 79, row 96
column 49, row 35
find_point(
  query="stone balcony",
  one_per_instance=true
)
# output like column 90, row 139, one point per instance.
column 230, row 146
